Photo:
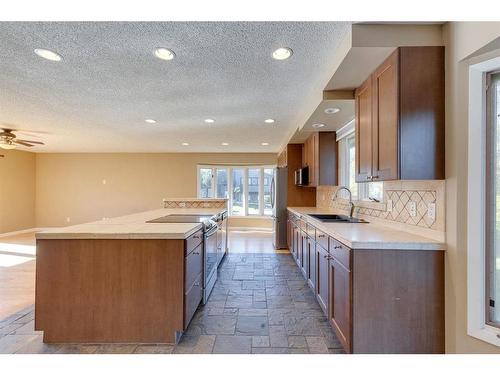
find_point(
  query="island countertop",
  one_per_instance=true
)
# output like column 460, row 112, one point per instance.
column 132, row 226
column 367, row 235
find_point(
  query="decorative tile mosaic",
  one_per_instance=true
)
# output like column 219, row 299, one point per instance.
column 195, row 204
column 401, row 200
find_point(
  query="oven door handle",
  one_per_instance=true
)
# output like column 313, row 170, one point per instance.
column 211, row 231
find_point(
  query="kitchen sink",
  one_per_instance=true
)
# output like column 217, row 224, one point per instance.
column 332, row 218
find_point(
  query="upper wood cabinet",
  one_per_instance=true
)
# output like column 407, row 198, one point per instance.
column 319, row 153
column 400, row 118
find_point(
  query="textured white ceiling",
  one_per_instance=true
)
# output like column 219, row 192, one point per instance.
column 97, row 98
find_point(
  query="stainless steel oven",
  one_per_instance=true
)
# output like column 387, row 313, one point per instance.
column 210, row 258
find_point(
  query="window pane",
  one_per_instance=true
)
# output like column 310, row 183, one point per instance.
column 238, row 209
column 253, row 191
column 494, row 197
column 268, row 178
column 351, row 147
column 221, row 183
column 206, row 190
column 376, row 190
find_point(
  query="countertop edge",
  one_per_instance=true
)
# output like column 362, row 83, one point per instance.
column 431, row 245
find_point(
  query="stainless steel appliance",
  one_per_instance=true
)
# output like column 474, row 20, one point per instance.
column 213, row 249
column 279, row 188
column 210, row 257
column 222, row 232
column 302, row 176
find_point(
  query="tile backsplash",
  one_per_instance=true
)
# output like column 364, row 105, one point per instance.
column 402, row 194
column 195, row 203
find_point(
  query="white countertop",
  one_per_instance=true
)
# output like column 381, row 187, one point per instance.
column 367, row 235
column 132, row 226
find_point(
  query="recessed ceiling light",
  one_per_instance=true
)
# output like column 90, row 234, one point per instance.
column 269, row 121
column 209, row 120
column 185, row 144
column 333, row 110
column 164, row 53
column 150, row 121
column 225, row 144
column 282, row 53
column 265, row 144
column 49, row 55
column 318, row 125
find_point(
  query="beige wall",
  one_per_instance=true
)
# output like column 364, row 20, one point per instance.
column 17, row 191
column 462, row 40
column 71, row 185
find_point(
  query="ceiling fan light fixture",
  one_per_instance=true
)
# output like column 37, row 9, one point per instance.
column 6, row 145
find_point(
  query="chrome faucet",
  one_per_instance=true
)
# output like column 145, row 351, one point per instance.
column 351, row 205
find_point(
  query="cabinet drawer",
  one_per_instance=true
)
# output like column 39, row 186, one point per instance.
column 193, row 241
column 322, row 239
column 341, row 253
column 192, row 300
column 194, row 266
column 311, row 232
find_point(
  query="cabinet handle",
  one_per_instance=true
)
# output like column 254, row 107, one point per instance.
column 197, row 283
column 369, row 177
column 196, row 252
column 321, row 235
column 196, row 236
column 337, row 247
column 374, row 177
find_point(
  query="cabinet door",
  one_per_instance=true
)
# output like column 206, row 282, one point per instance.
column 363, row 126
column 340, row 302
column 322, row 284
column 314, row 160
column 303, row 255
column 311, row 254
column 386, row 120
column 295, row 242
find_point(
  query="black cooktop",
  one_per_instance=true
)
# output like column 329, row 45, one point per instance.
column 181, row 219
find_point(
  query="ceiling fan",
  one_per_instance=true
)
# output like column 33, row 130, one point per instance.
column 9, row 141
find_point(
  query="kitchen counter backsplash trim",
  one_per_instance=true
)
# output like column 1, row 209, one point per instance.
column 195, row 203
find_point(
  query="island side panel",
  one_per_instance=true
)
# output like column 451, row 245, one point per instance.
column 113, row 290
column 398, row 301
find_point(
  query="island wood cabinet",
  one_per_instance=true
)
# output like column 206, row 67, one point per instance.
column 400, row 118
column 117, row 290
column 319, row 153
column 377, row 301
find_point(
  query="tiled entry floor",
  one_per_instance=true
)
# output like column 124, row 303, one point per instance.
column 260, row 304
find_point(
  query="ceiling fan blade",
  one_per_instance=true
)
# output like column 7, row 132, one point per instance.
column 35, row 142
column 22, row 143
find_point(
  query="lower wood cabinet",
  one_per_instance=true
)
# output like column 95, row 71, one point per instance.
column 312, row 267
column 322, row 280
column 340, row 304
column 377, row 301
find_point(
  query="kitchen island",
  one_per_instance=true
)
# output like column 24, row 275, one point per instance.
column 120, row 280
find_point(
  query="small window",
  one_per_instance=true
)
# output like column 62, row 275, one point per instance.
column 493, row 202
column 206, row 180
column 253, row 192
column 238, row 193
column 222, row 183
column 347, row 170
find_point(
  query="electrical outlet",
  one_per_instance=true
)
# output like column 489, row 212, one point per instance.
column 68, row 219
column 104, row 182
column 412, row 207
column 431, row 211
column 389, row 205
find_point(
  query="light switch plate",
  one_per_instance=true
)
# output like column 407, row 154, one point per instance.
column 412, row 207
column 431, row 211
column 389, row 205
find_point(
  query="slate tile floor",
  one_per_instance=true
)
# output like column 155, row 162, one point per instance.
column 260, row 304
